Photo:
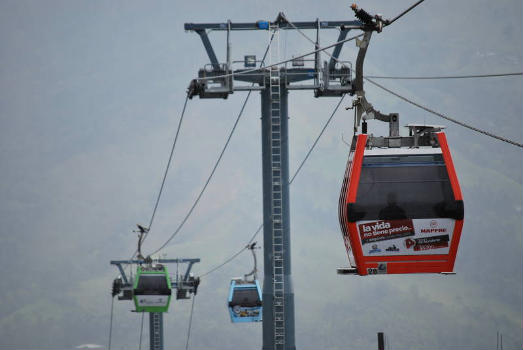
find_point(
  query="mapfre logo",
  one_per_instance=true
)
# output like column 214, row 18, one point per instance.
column 433, row 228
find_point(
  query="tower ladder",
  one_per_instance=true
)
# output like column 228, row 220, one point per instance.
column 156, row 329
column 276, row 200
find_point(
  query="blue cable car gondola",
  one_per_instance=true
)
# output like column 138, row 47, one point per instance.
column 245, row 301
column 245, row 296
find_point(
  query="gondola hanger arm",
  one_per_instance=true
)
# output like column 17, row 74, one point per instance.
column 365, row 111
column 254, row 271
column 142, row 231
column 363, row 108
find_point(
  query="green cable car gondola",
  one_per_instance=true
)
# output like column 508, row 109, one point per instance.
column 152, row 289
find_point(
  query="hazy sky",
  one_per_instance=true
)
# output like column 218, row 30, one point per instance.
column 91, row 93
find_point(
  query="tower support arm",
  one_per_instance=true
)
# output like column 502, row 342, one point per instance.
column 122, row 273
column 188, row 271
column 208, row 47
column 257, row 26
column 337, row 48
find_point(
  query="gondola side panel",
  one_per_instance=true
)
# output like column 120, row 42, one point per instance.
column 442, row 139
column 351, row 201
column 342, row 206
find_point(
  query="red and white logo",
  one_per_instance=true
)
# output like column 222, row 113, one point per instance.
column 433, row 228
column 427, row 243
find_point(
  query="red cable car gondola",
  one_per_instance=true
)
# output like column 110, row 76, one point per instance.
column 401, row 208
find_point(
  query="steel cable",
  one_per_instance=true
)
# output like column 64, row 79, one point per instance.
column 141, row 332
column 168, row 165
column 389, row 22
column 190, row 323
column 302, row 33
column 164, row 175
column 232, row 257
column 111, row 325
column 216, row 164
column 317, row 139
column 208, row 179
column 468, row 126
column 445, row 76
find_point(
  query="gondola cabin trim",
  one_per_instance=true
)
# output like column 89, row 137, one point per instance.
column 442, row 139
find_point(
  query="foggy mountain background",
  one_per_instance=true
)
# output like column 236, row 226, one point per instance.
column 91, row 93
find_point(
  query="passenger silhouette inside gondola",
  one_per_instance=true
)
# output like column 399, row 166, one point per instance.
column 392, row 211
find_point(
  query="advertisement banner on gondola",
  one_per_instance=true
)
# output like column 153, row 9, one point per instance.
column 405, row 236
